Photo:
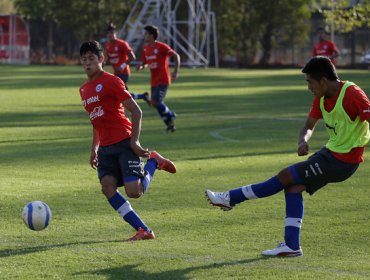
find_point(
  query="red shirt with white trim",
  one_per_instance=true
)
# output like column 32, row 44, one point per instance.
column 156, row 56
column 325, row 48
column 102, row 100
column 117, row 52
column 355, row 103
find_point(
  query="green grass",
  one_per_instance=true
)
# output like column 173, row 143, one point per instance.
column 234, row 127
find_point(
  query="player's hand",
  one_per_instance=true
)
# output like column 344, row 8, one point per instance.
column 94, row 160
column 139, row 67
column 122, row 66
column 303, row 149
column 138, row 150
column 174, row 75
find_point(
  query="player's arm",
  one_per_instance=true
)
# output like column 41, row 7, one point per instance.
column 136, row 115
column 177, row 61
column 131, row 57
column 143, row 63
column 305, row 135
column 335, row 52
column 94, row 149
column 141, row 66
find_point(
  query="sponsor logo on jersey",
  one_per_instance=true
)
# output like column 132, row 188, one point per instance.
column 149, row 57
column 96, row 113
column 90, row 100
column 99, row 87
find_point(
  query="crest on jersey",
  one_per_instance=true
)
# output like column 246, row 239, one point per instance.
column 155, row 51
column 99, row 87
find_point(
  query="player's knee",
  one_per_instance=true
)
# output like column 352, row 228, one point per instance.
column 285, row 177
column 134, row 189
column 108, row 186
column 134, row 193
column 108, row 190
column 155, row 103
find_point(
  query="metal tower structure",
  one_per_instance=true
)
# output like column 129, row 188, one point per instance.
column 188, row 26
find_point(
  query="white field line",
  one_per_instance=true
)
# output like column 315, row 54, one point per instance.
column 217, row 133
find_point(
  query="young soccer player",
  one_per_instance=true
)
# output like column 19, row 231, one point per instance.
column 325, row 47
column 345, row 109
column 116, row 150
column 120, row 55
column 155, row 55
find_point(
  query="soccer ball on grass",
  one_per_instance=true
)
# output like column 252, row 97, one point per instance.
column 36, row 215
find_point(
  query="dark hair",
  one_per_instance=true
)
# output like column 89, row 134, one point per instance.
column 320, row 29
column 111, row 27
column 91, row 46
column 153, row 30
column 320, row 66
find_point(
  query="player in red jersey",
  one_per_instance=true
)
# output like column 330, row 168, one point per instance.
column 345, row 109
column 325, row 47
column 116, row 151
column 155, row 55
column 120, row 55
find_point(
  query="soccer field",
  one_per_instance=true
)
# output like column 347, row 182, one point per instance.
column 235, row 127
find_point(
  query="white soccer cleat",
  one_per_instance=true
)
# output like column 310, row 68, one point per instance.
column 220, row 199
column 282, row 250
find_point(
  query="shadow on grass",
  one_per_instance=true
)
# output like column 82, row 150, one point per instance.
column 29, row 250
column 134, row 272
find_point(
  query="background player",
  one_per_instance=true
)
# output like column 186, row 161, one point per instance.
column 116, row 149
column 120, row 55
column 325, row 47
column 155, row 55
column 345, row 109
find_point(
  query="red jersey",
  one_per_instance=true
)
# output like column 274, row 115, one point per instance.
column 102, row 100
column 117, row 52
column 156, row 56
column 325, row 48
column 355, row 103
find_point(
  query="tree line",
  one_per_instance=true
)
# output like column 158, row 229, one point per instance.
column 244, row 27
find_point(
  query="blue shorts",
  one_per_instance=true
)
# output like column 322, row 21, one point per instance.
column 119, row 161
column 124, row 78
column 320, row 169
column 158, row 93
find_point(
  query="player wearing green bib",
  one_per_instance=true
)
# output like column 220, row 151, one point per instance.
column 345, row 109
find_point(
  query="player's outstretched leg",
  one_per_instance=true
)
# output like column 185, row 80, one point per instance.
column 145, row 96
column 227, row 200
column 163, row 163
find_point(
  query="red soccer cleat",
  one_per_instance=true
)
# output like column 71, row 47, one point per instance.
column 163, row 163
column 142, row 234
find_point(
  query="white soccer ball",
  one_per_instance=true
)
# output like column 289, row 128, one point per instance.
column 36, row 215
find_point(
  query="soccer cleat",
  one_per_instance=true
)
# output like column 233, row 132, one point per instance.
column 142, row 234
column 147, row 98
column 220, row 199
column 163, row 163
column 282, row 250
column 171, row 127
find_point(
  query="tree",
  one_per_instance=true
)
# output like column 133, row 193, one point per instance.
column 345, row 17
column 86, row 19
column 246, row 25
column 281, row 21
